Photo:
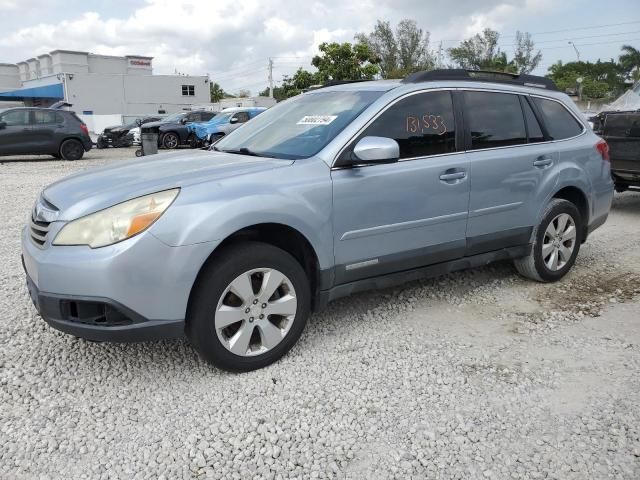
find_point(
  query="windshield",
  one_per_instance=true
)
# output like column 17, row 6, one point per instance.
column 221, row 117
column 299, row 127
column 176, row 117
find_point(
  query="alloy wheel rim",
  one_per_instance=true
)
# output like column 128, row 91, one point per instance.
column 171, row 141
column 559, row 242
column 255, row 312
column 72, row 150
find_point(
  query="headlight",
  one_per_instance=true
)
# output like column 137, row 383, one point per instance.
column 116, row 223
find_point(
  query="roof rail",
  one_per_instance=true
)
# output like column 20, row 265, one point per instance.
column 481, row 76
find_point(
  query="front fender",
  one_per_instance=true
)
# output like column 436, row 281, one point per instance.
column 298, row 196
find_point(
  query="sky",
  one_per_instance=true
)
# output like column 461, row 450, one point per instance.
column 231, row 40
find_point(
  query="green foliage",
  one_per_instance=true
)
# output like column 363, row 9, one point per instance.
column 600, row 79
column 481, row 52
column 401, row 52
column 216, row 92
column 630, row 61
column 344, row 61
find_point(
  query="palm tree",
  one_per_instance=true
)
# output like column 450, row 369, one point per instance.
column 630, row 61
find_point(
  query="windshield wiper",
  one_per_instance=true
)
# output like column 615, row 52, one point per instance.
column 241, row 151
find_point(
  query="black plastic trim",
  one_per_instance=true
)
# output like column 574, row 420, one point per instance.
column 498, row 240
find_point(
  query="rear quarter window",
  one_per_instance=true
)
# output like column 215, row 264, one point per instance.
column 559, row 122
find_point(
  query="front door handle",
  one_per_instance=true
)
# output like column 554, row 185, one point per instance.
column 543, row 161
column 452, row 177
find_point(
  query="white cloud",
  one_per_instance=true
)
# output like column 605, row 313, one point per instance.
column 231, row 40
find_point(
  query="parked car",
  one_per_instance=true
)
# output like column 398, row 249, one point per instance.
column 621, row 130
column 222, row 124
column 172, row 130
column 337, row 190
column 43, row 131
column 123, row 135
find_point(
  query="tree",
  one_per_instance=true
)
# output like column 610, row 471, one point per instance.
column 401, row 52
column 599, row 79
column 481, row 52
column 344, row 61
column 293, row 85
column 630, row 61
column 524, row 60
column 216, row 92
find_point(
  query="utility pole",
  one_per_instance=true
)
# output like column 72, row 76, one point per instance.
column 576, row 49
column 271, row 77
column 440, row 62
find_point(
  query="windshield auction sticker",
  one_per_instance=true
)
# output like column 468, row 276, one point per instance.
column 317, row 120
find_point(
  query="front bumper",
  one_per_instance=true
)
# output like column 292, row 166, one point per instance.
column 134, row 290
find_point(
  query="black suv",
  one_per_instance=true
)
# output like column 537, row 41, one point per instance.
column 43, row 131
column 621, row 130
column 120, row 135
column 172, row 130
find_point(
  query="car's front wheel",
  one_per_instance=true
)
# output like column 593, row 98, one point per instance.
column 71, row 149
column 249, row 306
column 556, row 243
column 170, row 140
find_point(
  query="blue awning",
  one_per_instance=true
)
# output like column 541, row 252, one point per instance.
column 53, row 91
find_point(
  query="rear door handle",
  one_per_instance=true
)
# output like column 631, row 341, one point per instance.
column 450, row 177
column 543, row 161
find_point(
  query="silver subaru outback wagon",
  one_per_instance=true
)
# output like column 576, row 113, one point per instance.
column 345, row 188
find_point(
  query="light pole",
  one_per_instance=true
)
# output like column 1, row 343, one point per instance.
column 576, row 49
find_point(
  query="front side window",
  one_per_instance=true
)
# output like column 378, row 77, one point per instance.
column 301, row 126
column 188, row 90
column 241, row 117
column 559, row 122
column 16, row 118
column 494, row 119
column 422, row 124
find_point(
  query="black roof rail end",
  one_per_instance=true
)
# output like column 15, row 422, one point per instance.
column 481, row 76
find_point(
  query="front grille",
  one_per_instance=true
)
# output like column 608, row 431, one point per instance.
column 38, row 231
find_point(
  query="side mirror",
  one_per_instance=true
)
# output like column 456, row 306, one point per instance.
column 376, row 149
column 3, row 125
column 183, row 121
column 233, row 120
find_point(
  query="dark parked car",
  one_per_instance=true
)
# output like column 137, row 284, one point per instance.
column 172, row 130
column 621, row 130
column 121, row 135
column 43, row 131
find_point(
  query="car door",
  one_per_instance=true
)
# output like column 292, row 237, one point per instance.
column 512, row 168
column 46, row 129
column 15, row 132
column 410, row 213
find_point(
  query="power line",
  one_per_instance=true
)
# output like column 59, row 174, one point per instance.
column 577, row 38
column 591, row 44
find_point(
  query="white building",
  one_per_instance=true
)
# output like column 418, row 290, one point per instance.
column 101, row 88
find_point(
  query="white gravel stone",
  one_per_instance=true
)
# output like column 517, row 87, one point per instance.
column 475, row 375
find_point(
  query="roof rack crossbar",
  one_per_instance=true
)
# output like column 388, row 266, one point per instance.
column 481, row 76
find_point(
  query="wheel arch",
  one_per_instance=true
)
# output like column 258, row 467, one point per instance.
column 579, row 198
column 281, row 236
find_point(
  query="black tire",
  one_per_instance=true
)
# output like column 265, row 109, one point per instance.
column 56, row 155
column 71, row 149
column 218, row 273
column 170, row 140
column 533, row 265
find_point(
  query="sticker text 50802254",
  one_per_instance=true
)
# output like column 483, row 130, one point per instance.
column 426, row 124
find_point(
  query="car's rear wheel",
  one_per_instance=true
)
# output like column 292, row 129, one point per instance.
column 170, row 140
column 249, row 306
column 71, row 149
column 556, row 243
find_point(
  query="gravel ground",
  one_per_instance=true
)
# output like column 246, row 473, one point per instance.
column 476, row 375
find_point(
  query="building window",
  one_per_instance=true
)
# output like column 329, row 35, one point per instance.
column 188, row 90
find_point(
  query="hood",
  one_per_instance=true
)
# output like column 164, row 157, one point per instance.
column 97, row 188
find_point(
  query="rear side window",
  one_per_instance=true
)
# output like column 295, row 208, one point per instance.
column 45, row 117
column 534, row 131
column 559, row 122
column 494, row 119
column 422, row 124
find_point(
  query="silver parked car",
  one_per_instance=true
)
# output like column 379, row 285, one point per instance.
column 344, row 188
